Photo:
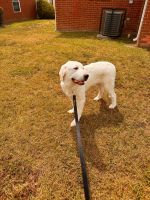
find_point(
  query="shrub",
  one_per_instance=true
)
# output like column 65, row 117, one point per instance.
column 1, row 16
column 45, row 10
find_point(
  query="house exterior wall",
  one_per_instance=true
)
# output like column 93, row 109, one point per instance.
column 144, row 39
column 28, row 10
column 85, row 15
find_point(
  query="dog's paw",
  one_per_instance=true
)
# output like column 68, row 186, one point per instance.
column 112, row 106
column 73, row 123
column 71, row 111
column 97, row 98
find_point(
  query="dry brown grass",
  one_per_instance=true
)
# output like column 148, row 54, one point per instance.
column 38, row 149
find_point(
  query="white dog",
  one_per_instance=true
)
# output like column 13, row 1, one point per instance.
column 76, row 79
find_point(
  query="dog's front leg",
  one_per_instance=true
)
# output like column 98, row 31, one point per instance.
column 71, row 111
column 80, row 106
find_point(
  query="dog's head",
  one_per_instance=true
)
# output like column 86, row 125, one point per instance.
column 73, row 71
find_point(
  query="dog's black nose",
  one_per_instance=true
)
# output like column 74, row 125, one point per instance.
column 86, row 77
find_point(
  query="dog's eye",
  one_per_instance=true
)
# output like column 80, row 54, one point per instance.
column 76, row 68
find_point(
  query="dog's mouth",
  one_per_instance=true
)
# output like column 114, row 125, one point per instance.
column 78, row 82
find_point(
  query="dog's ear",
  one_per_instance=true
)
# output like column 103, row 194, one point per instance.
column 62, row 72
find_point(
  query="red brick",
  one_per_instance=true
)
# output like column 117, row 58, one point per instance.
column 85, row 15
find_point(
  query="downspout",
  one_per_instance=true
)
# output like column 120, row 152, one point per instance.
column 55, row 8
column 141, row 22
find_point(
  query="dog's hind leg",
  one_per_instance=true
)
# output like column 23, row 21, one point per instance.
column 113, row 104
column 112, row 95
column 100, row 93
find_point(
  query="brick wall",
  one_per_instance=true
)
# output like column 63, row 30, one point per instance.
column 28, row 10
column 144, row 39
column 84, row 15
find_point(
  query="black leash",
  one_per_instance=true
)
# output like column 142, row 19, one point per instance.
column 80, row 148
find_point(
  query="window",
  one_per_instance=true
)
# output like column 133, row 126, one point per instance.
column 16, row 5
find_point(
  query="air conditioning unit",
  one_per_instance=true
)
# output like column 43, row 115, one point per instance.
column 112, row 22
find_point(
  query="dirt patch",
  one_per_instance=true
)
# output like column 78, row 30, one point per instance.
column 17, row 180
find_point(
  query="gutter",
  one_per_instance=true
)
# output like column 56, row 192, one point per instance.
column 141, row 22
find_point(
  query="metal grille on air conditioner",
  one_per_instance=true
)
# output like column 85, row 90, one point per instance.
column 112, row 22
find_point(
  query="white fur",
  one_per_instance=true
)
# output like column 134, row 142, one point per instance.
column 100, row 73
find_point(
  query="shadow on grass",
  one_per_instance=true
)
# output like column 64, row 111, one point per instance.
column 77, row 35
column 89, row 123
column 93, row 35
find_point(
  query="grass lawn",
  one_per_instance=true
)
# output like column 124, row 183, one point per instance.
column 38, row 155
